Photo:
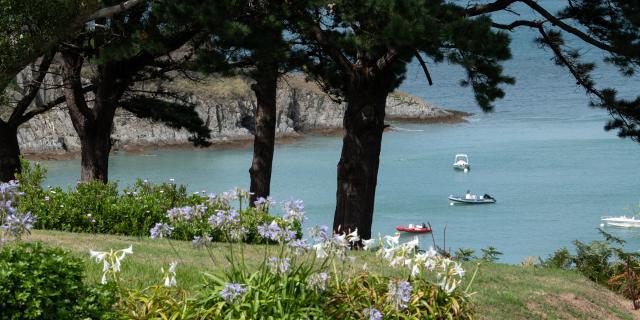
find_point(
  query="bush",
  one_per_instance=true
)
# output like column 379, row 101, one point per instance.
column 604, row 262
column 598, row 260
column 37, row 282
column 94, row 207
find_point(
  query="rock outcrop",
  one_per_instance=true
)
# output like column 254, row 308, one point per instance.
column 227, row 106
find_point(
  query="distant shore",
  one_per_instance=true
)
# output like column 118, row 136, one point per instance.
column 227, row 107
column 239, row 142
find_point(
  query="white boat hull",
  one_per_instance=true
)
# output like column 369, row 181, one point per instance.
column 463, row 200
column 623, row 221
column 461, row 166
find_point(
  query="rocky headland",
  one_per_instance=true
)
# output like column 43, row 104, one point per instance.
column 227, row 106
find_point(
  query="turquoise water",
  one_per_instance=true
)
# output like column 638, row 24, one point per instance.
column 542, row 154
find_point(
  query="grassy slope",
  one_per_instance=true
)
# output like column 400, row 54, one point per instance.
column 503, row 291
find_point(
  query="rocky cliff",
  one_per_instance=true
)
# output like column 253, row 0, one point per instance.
column 228, row 107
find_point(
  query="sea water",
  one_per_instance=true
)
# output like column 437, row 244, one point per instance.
column 542, row 153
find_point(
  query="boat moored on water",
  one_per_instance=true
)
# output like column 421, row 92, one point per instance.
column 461, row 162
column 421, row 228
column 470, row 198
column 621, row 221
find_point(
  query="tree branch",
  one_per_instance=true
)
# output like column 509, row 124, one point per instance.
column 580, row 80
column 488, row 8
column 113, row 10
column 424, row 67
column 562, row 25
column 517, row 23
column 39, row 109
column 33, row 87
column 90, row 12
column 332, row 49
column 503, row 4
column 387, row 59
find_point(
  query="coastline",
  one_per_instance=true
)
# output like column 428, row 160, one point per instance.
column 241, row 141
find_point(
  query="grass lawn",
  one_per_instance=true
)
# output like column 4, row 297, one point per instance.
column 502, row 291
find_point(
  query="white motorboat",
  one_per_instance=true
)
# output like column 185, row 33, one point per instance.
column 622, row 221
column 461, row 162
column 470, row 198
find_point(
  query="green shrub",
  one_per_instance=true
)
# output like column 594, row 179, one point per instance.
column 94, row 207
column 38, row 282
column 598, row 260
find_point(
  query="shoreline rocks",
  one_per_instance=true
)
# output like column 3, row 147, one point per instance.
column 227, row 107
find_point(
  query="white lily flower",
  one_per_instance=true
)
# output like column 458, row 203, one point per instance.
column 111, row 261
column 448, row 286
column 415, row 271
column 366, row 244
column 170, row 281
column 413, row 243
column 458, row 270
column 124, row 252
column 353, row 236
column 98, row 255
column 430, row 264
column 421, row 258
column 388, row 253
column 431, row 252
column 392, row 241
column 320, row 252
column 170, row 275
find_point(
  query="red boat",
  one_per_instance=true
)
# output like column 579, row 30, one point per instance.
column 414, row 229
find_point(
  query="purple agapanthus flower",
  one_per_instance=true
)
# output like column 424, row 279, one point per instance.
column 319, row 233
column 225, row 219
column 318, row 281
column 230, row 195
column 263, row 203
column 293, row 210
column 237, row 234
column 372, row 313
column 9, row 187
column 399, row 293
column 299, row 246
column 274, row 232
column 279, row 265
column 199, row 241
column 161, row 230
column 233, row 292
column 186, row 214
column 16, row 224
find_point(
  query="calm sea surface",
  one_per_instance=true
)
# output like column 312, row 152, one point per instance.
column 542, row 154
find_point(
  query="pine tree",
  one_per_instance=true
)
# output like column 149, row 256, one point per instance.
column 120, row 50
column 358, row 51
column 246, row 38
column 30, row 31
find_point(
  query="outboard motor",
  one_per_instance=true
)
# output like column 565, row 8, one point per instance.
column 487, row 196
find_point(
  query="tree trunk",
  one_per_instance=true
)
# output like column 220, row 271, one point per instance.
column 93, row 125
column 358, row 167
column 95, row 148
column 265, row 89
column 9, row 152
